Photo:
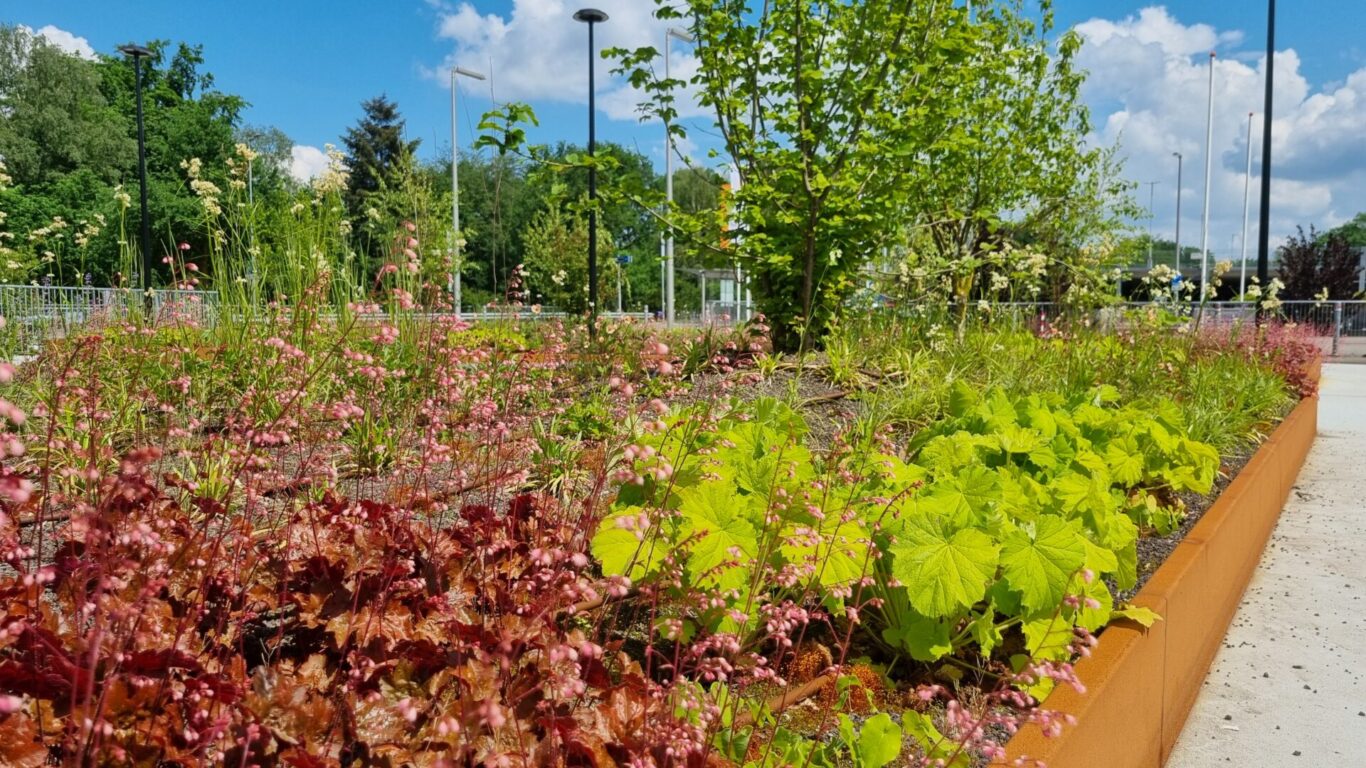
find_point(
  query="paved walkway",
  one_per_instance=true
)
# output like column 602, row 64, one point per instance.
column 1288, row 687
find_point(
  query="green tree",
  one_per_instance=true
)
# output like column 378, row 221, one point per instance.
column 186, row 119
column 65, row 147
column 56, row 120
column 1004, row 158
column 375, row 152
column 1354, row 231
column 273, row 150
column 555, row 266
column 811, row 101
column 858, row 128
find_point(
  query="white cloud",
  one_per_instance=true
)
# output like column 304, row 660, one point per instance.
column 1148, row 87
column 71, row 43
column 306, row 163
column 537, row 52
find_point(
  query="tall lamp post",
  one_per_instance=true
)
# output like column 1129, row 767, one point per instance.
column 1247, row 198
column 138, row 53
column 681, row 34
column 1209, row 168
column 1179, row 161
column 455, row 190
column 1264, row 236
column 1152, row 201
column 591, row 17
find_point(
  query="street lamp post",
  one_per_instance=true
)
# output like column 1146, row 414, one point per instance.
column 1152, row 201
column 455, row 191
column 591, row 17
column 674, row 32
column 138, row 53
column 1209, row 169
column 1264, row 236
column 1247, row 198
column 1179, row 161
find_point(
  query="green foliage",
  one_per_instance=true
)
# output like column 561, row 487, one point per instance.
column 375, row 153
column 69, row 142
column 728, row 512
column 1224, row 400
column 57, row 121
column 1354, row 231
column 865, row 130
column 811, row 99
column 555, row 259
column 1012, row 511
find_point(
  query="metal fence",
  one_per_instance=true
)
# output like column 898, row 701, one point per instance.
column 33, row 313
column 1338, row 327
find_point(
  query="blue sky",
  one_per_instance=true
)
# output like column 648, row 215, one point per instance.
column 305, row 65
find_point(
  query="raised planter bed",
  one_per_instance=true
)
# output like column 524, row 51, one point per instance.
column 1141, row 683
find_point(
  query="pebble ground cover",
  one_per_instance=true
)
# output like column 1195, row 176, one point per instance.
column 370, row 537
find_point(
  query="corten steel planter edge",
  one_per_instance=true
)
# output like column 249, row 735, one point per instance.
column 1141, row 683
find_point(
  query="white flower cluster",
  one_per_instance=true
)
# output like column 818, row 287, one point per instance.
column 207, row 192
column 335, row 178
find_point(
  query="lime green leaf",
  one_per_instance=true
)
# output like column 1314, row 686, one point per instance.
column 713, row 518
column 950, row 452
column 1125, row 460
column 1003, row 598
column 1041, row 419
column 839, row 551
column 1048, row 636
column 1041, row 565
column 879, row 742
column 895, row 475
column 1144, row 616
column 976, row 486
column 1105, row 393
column 1095, row 618
column 962, row 398
column 998, row 411
column 985, row 632
column 943, row 573
column 1099, row 559
column 925, row 639
column 621, row 552
column 921, row 728
column 1017, row 439
column 1095, row 465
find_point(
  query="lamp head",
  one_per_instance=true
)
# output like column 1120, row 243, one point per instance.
column 590, row 16
column 467, row 73
column 682, row 34
column 136, row 51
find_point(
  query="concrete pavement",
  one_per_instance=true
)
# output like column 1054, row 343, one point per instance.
column 1288, row 687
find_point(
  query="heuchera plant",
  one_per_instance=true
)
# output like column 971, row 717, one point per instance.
column 997, row 535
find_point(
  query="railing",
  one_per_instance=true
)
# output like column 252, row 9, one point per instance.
column 33, row 313
column 1339, row 327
